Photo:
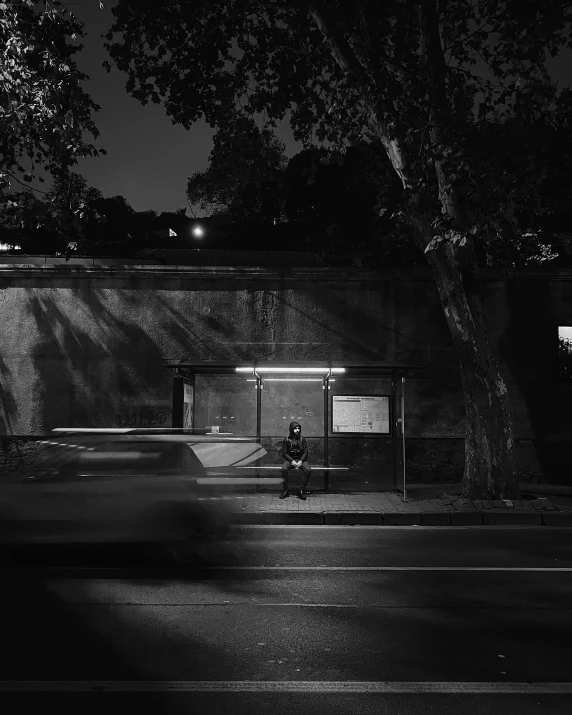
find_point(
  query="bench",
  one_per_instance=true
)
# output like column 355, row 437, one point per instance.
column 223, row 475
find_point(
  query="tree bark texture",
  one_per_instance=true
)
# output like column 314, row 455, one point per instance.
column 490, row 467
column 490, row 470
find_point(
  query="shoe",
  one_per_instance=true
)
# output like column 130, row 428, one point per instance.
column 285, row 494
column 302, row 495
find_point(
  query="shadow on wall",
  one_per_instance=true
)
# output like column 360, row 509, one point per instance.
column 337, row 315
column 86, row 370
column 211, row 337
column 526, row 348
column 434, row 405
column 8, row 406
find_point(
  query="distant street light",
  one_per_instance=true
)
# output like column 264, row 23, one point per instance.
column 198, row 231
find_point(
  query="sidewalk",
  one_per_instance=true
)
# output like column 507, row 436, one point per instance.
column 427, row 505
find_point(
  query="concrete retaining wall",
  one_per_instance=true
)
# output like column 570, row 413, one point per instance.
column 87, row 346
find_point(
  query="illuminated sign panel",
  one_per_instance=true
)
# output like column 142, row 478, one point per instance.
column 360, row 414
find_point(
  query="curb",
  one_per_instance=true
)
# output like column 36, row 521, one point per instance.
column 403, row 518
column 466, row 518
column 493, row 518
column 437, row 518
column 556, row 518
column 366, row 518
column 445, row 518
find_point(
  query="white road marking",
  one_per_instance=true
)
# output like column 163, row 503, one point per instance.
column 413, row 527
column 239, row 480
column 358, row 606
column 188, row 569
column 363, row 606
column 307, row 686
column 382, row 568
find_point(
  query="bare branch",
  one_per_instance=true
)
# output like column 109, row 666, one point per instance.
column 461, row 40
column 435, row 70
column 22, row 183
column 341, row 50
column 382, row 118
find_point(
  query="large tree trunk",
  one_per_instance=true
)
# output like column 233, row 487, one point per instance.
column 489, row 443
column 490, row 468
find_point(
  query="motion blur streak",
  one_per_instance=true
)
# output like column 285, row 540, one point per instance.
column 136, row 486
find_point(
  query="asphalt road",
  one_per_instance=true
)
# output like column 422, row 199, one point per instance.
column 320, row 619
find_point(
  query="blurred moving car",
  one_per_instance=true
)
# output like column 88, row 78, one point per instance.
column 122, row 486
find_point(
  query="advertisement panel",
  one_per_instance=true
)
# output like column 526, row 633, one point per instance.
column 360, row 414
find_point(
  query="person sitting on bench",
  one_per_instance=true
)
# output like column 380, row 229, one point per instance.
column 295, row 456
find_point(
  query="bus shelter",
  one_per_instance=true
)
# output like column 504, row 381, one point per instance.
column 358, row 415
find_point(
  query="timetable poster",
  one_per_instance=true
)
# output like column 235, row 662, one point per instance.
column 359, row 413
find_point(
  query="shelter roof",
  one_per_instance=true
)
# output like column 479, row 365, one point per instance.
column 353, row 368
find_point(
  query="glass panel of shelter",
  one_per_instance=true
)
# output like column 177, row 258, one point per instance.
column 233, row 404
column 226, row 402
column 368, row 452
column 289, row 399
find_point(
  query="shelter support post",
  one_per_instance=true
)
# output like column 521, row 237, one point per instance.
column 177, row 413
column 403, row 436
column 258, row 407
column 394, row 426
column 326, row 389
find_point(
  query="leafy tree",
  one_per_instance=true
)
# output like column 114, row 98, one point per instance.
column 71, row 193
column 404, row 75
column 44, row 112
column 65, row 219
column 25, row 221
column 352, row 206
column 73, row 209
column 149, row 225
column 520, row 180
column 74, row 219
column 243, row 179
column 117, row 218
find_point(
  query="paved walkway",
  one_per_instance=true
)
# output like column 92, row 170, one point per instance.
column 425, row 505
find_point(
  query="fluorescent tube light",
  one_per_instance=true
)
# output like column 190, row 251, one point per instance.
column 292, row 370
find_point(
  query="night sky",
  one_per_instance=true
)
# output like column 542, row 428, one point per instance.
column 149, row 158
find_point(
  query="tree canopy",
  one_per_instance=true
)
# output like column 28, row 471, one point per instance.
column 44, row 112
column 66, row 218
column 352, row 209
column 73, row 218
column 520, row 179
column 332, row 65
column 415, row 77
column 243, row 178
column 346, row 73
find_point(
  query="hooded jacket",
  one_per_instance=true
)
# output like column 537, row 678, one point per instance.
column 292, row 448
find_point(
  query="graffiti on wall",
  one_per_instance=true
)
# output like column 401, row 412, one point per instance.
column 158, row 416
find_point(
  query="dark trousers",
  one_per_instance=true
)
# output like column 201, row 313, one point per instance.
column 286, row 466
